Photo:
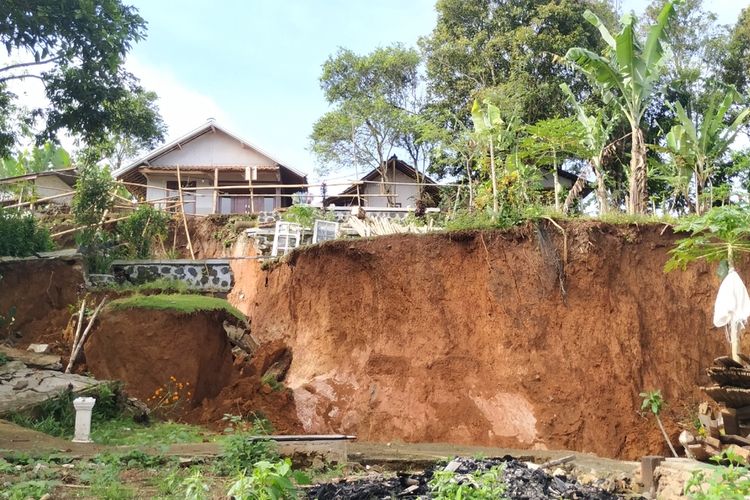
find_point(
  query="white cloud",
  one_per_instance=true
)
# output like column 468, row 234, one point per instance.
column 181, row 107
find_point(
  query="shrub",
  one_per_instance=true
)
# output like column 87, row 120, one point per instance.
column 21, row 235
column 138, row 232
column 239, row 452
column 305, row 215
column 728, row 482
column 267, row 481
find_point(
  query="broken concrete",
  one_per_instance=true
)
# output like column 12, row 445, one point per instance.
column 22, row 387
column 32, row 358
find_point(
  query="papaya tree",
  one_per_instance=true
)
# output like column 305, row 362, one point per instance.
column 627, row 74
column 700, row 142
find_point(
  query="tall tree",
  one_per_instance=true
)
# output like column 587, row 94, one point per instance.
column 736, row 63
column 137, row 127
column 700, row 142
column 370, row 95
column 505, row 50
column 628, row 73
column 76, row 49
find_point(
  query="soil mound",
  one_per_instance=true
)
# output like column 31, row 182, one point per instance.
column 35, row 295
column 524, row 338
column 147, row 348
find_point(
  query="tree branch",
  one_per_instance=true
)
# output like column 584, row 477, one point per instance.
column 19, row 77
column 35, row 63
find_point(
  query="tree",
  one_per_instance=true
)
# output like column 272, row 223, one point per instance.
column 699, row 142
column 595, row 139
column 504, row 50
column 76, row 49
column 370, row 95
column 736, row 62
column 496, row 133
column 137, row 127
column 548, row 143
column 628, row 73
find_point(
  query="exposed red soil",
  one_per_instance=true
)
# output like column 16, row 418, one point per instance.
column 41, row 292
column 147, row 348
column 468, row 338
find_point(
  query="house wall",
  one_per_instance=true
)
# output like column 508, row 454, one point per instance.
column 157, row 185
column 548, row 181
column 50, row 185
column 213, row 148
column 405, row 195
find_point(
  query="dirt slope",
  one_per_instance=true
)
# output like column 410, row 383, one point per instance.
column 469, row 338
column 38, row 293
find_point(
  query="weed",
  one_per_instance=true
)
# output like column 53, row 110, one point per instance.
column 241, row 450
column 732, row 481
column 478, row 485
column 653, row 401
column 105, row 484
column 272, row 382
column 28, row 489
column 195, row 486
column 133, row 459
column 3, row 359
column 128, row 432
column 161, row 285
column 168, row 398
column 267, row 481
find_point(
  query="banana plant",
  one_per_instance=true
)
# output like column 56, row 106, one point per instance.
column 499, row 134
column 627, row 75
column 597, row 130
column 699, row 142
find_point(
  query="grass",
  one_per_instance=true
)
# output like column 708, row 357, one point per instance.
column 186, row 304
column 130, row 433
column 161, row 285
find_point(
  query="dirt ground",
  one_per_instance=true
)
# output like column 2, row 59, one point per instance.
column 524, row 339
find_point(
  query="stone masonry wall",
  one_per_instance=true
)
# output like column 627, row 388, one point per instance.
column 209, row 275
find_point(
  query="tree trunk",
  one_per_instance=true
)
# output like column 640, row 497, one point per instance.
column 601, row 189
column 637, row 198
column 556, row 179
column 494, row 177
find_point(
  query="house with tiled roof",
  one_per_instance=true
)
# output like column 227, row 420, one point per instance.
column 219, row 172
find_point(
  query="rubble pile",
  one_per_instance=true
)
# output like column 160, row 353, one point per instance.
column 729, row 429
column 523, row 481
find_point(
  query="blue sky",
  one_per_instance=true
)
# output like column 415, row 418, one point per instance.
column 253, row 65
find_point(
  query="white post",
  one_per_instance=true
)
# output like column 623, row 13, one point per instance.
column 83, row 408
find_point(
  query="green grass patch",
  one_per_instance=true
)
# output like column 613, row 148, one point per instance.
column 127, row 432
column 186, row 304
column 161, row 285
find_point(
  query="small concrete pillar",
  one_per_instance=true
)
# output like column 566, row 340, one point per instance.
column 83, row 408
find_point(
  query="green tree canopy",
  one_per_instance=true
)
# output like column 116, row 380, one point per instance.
column 505, row 50
column 372, row 96
column 76, row 49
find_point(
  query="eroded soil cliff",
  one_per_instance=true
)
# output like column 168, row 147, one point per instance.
column 523, row 338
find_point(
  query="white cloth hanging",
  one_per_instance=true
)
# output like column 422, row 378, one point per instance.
column 732, row 306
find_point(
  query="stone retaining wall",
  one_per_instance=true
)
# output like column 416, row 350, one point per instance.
column 209, row 275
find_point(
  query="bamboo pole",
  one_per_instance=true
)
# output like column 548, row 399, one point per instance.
column 216, row 191
column 82, row 340
column 73, row 230
column 46, row 198
column 184, row 218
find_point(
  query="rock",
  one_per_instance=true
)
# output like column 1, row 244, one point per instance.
column 558, row 472
column 39, row 348
column 38, row 467
column 46, row 496
column 20, row 385
column 46, row 361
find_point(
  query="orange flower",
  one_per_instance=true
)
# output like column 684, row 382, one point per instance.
column 175, row 398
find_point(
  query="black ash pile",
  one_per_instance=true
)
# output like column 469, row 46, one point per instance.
column 522, row 481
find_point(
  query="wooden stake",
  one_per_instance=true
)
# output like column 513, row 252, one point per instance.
column 77, row 347
column 216, row 191
column 182, row 209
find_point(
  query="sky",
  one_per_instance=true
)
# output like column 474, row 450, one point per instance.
column 253, row 65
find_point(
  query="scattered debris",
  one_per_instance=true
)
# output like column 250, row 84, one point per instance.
column 38, row 348
column 522, row 482
column 33, row 359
